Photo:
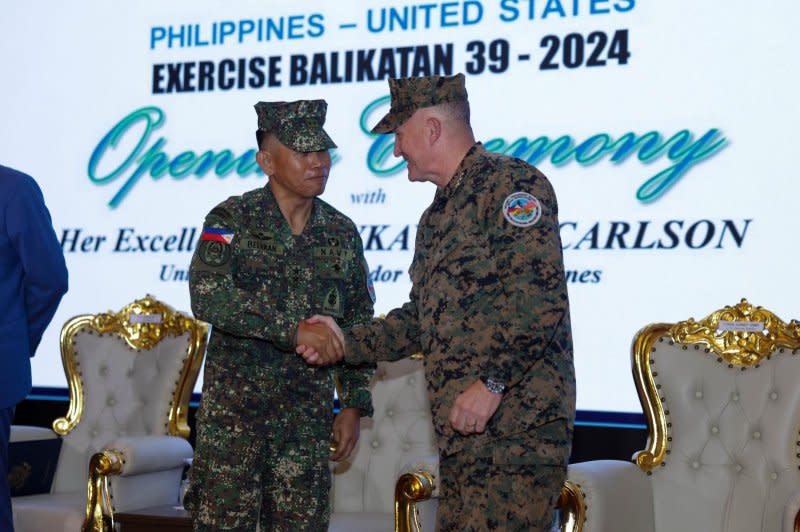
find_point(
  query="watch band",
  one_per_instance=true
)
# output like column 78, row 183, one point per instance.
column 494, row 385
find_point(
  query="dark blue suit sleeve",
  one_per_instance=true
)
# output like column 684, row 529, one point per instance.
column 31, row 232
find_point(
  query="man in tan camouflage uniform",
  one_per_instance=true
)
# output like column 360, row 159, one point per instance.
column 489, row 309
column 267, row 260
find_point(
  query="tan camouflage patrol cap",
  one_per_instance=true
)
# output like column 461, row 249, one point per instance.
column 410, row 94
column 297, row 124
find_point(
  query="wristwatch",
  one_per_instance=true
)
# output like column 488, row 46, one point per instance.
column 494, row 385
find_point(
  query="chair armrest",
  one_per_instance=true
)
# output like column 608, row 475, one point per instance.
column 617, row 495
column 427, row 464
column 791, row 514
column 20, row 433
column 417, row 482
column 146, row 454
column 143, row 471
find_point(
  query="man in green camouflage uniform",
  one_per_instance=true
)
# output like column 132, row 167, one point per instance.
column 267, row 260
column 489, row 308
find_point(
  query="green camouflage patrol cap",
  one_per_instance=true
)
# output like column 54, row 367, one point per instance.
column 296, row 124
column 410, row 94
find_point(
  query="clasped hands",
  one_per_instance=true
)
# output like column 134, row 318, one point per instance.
column 320, row 341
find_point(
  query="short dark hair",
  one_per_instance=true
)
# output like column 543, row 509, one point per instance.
column 260, row 135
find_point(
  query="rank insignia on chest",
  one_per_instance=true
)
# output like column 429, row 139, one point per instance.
column 330, row 263
column 522, row 209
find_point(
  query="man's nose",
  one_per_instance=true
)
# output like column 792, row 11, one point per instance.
column 315, row 159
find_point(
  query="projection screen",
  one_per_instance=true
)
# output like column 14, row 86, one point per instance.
column 665, row 128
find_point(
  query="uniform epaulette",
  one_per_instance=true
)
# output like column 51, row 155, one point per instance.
column 221, row 213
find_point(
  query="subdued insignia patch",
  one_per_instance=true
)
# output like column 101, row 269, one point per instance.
column 522, row 209
column 329, row 266
column 332, row 304
column 331, row 251
column 261, row 234
column 333, row 241
column 214, row 253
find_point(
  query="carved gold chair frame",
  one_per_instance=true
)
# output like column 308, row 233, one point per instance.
column 740, row 336
column 142, row 324
column 411, row 488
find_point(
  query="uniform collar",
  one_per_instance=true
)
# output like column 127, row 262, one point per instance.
column 275, row 220
column 475, row 151
column 449, row 190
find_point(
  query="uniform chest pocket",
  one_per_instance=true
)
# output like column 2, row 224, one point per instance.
column 453, row 249
column 435, row 243
column 331, row 263
column 259, row 268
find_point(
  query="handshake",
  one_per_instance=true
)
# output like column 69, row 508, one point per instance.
column 320, row 341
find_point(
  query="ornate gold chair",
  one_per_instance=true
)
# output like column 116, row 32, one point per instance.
column 722, row 401
column 130, row 377
column 397, row 443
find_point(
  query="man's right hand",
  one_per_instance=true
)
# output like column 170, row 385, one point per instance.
column 320, row 341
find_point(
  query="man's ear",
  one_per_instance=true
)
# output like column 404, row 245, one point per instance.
column 264, row 160
column 434, row 129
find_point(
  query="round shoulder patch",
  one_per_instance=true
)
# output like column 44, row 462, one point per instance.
column 213, row 253
column 522, row 209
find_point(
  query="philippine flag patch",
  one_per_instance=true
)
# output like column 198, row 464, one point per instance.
column 217, row 235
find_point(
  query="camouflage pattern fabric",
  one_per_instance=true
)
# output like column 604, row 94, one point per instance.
column 489, row 299
column 298, row 124
column 410, row 94
column 509, row 491
column 275, row 467
column 264, row 422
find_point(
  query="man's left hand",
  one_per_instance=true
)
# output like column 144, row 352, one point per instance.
column 346, row 428
column 473, row 409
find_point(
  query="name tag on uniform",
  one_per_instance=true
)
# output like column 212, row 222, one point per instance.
column 260, row 244
column 331, row 252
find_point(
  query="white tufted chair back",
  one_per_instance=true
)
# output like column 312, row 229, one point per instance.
column 127, row 374
column 723, row 402
column 130, row 377
column 400, row 434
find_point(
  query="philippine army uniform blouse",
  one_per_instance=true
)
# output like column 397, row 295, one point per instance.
column 253, row 280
